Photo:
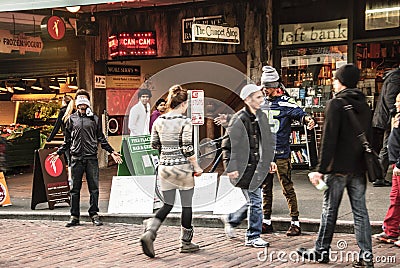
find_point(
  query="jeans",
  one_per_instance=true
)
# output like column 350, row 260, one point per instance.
column 252, row 210
column 392, row 218
column 91, row 168
column 356, row 187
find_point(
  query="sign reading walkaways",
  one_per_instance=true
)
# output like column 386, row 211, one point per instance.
column 229, row 198
column 140, row 158
column 205, row 190
column 132, row 194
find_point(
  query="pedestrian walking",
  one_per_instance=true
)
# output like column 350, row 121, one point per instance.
column 83, row 132
column 342, row 166
column 281, row 110
column 172, row 135
column 391, row 222
column 381, row 121
column 248, row 151
column 139, row 115
column 159, row 110
column 67, row 108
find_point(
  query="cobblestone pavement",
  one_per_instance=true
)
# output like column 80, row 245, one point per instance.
column 49, row 244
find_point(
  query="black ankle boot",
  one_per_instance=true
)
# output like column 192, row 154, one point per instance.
column 314, row 255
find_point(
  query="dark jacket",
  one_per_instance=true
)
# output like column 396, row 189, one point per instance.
column 341, row 151
column 59, row 123
column 82, row 134
column 385, row 106
column 241, row 148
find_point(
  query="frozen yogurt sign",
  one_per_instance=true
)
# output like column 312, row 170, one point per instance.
column 21, row 43
column 329, row 31
column 215, row 34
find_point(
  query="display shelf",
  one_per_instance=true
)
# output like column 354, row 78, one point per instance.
column 303, row 147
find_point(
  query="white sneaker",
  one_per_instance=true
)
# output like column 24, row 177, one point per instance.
column 256, row 242
column 229, row 230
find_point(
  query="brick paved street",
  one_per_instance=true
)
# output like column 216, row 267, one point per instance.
column 50, row 244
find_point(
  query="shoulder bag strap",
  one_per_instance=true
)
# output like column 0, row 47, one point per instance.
column 360, row 133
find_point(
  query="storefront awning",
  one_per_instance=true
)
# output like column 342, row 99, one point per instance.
column 33, row 97
column 16, row 5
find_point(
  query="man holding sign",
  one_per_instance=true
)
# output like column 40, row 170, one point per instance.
column 83, row 132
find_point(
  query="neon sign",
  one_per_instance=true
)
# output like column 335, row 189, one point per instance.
column 137, row 44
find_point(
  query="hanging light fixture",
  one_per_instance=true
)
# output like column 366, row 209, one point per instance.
column 37, row 85
column 54, row 84
column 20, row 86
column 3, row 86
column 73, row 84
column 73, row 9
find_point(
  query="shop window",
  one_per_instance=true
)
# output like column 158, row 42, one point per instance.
column 374, row 60
column 307, row 72
column 382, row 14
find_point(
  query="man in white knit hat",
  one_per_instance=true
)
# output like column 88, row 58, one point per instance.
column 83, row 133
column 281, row 110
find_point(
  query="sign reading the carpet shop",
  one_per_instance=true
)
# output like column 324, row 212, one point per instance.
column 327, row 31
column 187, row 25
column 215, row 34
column 21, row 43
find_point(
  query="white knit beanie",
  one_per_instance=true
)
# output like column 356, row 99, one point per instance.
column 270, row 77
column 249, row 89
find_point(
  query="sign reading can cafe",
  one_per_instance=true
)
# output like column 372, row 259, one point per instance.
column 328, row 31
column 20, row 42
column 215, row 34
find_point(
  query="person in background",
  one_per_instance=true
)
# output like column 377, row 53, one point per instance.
column 139, row 115
column 381, row 120
column 172, row 134
column 247, row 153
column 281, row 111
column 83, row 132
column 160, row 109
column 342, row 166
column 391, row 222
column 67, row 108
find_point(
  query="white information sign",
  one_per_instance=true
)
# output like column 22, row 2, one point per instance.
column 229, row 198
column 100, row 81
column 132, row 194
column 215, row 34
column 205, row 191
column 20, row 42
column 197, row 107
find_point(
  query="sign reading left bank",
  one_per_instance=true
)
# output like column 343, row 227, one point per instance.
column 20, row 42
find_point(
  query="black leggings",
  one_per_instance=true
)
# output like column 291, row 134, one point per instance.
column 186, row 202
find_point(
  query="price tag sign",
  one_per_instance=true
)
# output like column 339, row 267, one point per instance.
column 197, row 107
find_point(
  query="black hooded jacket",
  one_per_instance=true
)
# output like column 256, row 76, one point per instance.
column 390, row 89
column 82, row 135
column 341, row 151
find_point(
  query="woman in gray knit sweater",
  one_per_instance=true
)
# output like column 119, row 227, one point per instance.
column 172, row 135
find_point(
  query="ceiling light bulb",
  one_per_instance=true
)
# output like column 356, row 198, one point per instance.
column 73, row 9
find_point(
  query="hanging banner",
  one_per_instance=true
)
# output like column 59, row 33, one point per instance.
column 21, row 43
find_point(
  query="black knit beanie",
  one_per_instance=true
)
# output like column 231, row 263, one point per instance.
column 348, row 75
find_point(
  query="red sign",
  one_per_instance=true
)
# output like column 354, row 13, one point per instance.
column 54, row 169
column 133, row 44
column 119, row 101
column 56, row 27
